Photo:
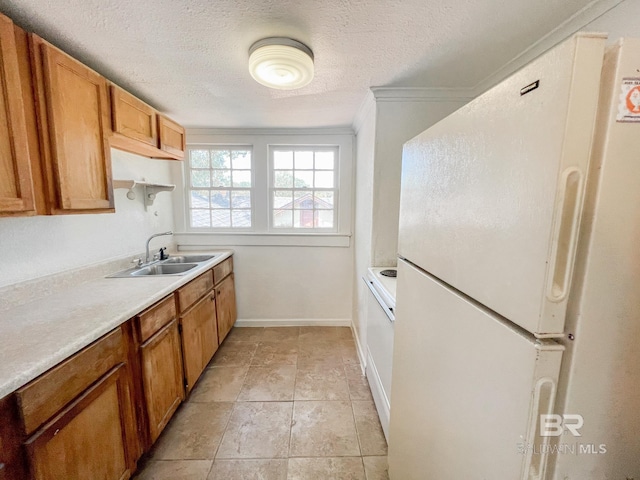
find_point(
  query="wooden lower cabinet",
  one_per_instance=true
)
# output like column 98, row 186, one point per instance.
column 199, row 338
column 89, row 438
column 161, row 368
column 225, row 306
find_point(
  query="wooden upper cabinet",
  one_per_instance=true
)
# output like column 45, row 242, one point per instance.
column 140, row 129
column 172, row 137
column 133, row 118
column 16, row 187
column 73, row 110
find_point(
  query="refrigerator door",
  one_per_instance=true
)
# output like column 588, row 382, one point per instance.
column 492, row 195
column 468, row 388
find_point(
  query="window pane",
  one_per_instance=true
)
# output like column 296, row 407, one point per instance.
column 323, row 200
column 282, row 160
column 303, row 179
column 283, row 218
column 241, row 218
column 220, row 199
column 241, row 199
column 304, row 200
column 324, row 160
column 221, row 178
column 220, row 218
column 283, row 179
column 200, row 178
column 304, row 160
column 242, row 178
column 283, row 199
column 324, row 179
column 199, row 199
column 324, row 218
column 199, row 158
column 241, row 159
column 200, row 218
column 220, row 159
column 303, row 218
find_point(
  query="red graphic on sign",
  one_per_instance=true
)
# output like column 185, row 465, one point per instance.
column 633, row 100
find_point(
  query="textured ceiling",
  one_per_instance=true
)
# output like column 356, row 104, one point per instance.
column 189, row 57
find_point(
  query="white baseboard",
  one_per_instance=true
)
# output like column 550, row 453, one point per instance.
column 293, row 322
column 361, row 356
column 379, row 397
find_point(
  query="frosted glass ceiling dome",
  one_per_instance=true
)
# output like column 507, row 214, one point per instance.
column 281, row 63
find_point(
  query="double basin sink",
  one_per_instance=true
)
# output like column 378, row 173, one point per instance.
column 177, row 265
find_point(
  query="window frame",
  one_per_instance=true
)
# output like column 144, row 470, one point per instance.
column 335, row 189
column 188, row 188
column 260, row 234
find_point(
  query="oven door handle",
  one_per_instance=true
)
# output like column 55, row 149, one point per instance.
column 387, row 309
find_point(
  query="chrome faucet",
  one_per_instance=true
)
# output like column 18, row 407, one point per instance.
column 146, row 259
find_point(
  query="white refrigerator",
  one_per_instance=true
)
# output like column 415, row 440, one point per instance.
column 518, row 299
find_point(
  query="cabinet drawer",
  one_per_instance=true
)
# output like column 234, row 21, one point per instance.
column 193, row 290
column 222, row 270
column 156, row 317
column 50, row 392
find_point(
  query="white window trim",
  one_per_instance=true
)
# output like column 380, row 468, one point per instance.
column 260, row 234
column 336, row 189
column 186, row 183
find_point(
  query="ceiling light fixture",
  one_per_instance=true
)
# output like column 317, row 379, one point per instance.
column 281, row 63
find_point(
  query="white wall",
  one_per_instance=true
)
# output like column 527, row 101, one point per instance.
column 621, row 21
column 36, row 246
column 307, row 282
column 363, row 224
column 397, row 122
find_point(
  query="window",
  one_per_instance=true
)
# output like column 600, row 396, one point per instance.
column 220, row 187
column 266, row 187
column 303, row 189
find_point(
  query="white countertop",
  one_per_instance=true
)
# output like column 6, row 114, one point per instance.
column 42, row 333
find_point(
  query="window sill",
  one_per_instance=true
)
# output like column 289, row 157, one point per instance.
column 209, row 239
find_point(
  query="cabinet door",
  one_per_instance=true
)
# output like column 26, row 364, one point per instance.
column 172, row 137
column 199, row 338
column 133, row 118
column 16, row 188
column 162, row 377
column 90, row 438
column 225, row 306
column 78, row 159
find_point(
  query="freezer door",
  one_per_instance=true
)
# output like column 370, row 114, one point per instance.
column 468, row 388
column 492, row 195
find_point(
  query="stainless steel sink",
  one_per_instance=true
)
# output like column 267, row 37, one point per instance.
column 164, row 269
column 188, row 259
column 174, row 265
column 155, row 270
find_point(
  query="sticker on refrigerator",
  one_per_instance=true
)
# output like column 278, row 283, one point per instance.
column 629, row 106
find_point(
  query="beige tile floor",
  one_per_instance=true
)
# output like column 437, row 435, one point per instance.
column 282, row 403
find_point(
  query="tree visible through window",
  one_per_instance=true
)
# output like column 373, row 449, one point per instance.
column 304, row 193
column 220, row 186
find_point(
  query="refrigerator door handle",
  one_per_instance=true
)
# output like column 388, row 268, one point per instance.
column 536, row 447
column 565, row 235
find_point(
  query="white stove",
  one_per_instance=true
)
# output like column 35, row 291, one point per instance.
column 381, row 304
